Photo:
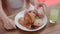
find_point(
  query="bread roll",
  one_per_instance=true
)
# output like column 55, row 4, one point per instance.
column 38, row 22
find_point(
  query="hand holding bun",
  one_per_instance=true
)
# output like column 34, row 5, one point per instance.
column 29, row 18
column 32, row 16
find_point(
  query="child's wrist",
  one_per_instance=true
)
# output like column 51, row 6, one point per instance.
column 4, row 19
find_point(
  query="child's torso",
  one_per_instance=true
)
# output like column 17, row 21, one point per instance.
column 15, row 3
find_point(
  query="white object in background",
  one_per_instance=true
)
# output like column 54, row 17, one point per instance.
column 52, row 22
column 16, row 3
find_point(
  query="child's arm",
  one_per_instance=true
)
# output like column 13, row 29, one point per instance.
column 8, row 23
column 2, row 14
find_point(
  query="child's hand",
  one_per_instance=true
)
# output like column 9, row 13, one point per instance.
column 9, row 24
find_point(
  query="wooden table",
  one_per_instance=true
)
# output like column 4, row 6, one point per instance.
column 48, row 29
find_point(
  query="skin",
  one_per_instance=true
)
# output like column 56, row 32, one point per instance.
column 8, row 23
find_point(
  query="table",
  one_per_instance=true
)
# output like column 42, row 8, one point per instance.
column 48, row 29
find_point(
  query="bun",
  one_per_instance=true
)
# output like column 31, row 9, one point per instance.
column 38, row 22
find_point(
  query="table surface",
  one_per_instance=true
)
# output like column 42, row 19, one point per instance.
column 48, row 29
